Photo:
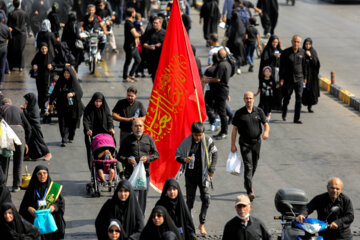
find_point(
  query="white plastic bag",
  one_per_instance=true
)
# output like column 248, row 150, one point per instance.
column 233, row 164
column 8, row 137
column 138, row 177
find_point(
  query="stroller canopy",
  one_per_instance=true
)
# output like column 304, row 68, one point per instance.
column 102, row 142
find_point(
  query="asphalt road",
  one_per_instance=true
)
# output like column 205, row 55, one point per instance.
column 300, row 156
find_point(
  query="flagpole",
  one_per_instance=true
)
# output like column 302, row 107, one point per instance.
column 196, row 94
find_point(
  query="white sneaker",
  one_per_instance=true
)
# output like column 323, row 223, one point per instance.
column 238, row 71
column 212, row 128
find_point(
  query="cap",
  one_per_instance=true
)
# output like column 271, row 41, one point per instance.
column 242, row 199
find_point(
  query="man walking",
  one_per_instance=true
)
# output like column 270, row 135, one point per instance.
column 221, row 91
column 126, row 110
column 293, row 74
column 5, row 35
column 137, row 147
column 247, row 122
column 130, row 46
column 244, row 226
column 199, row 160
column 339, row 221
column 20, row 125
column 153, row 43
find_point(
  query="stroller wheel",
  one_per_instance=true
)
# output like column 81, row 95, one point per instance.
column 97, row 194
column 87, row 189
column 92, row 192
column 109, row 189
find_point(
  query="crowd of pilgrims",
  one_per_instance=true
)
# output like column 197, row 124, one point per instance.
column 120, row 217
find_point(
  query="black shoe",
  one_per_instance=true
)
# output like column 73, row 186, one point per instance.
column 251, row 68
column 230, row 119
column 283, row 117
column 310, row 110
column 297, row 121
column 220, row 136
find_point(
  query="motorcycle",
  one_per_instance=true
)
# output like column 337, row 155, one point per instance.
column 290, row 203
column 91, row 42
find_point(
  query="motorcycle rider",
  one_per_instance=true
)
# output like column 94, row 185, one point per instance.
column 92, row 22
column 339, row 221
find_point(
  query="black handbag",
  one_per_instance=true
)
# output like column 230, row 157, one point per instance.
column 33, row 73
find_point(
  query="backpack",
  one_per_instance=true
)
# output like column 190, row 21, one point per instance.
column 244, row 15
column 232, row 60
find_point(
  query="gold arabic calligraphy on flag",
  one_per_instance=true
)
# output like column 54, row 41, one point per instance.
column 168, row 99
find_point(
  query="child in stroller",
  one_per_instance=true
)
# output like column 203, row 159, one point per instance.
column 103, row 149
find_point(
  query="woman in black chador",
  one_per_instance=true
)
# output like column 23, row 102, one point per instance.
column 97, row 119
column 68, row 94
column 271, row 57
column 13, row 226
column 42, row 64
column 172, row 199
column 37, row 189
column 124, row 207
column 211, row 14
column 159, row 222
column 37, row 145
column 311, row 91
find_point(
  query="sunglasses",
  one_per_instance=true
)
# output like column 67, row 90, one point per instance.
column 114, row 230
column 157, row 215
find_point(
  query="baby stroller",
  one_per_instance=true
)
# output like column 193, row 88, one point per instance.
column 100, row 143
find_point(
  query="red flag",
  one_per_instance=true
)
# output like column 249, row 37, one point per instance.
column 174, row 104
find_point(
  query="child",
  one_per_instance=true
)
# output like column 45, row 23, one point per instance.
column 266, row 88
column 252, row 36
column 105, row 155
column 138, row 24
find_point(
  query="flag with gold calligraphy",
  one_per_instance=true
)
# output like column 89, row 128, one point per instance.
column 173, row 105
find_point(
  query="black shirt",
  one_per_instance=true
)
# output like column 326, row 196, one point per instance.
column 95, row 24
column 131, row 146
column 249, row 124
column 129, row 42
column 153, row 38
column 197, row 171
column 343, row 218
column 254, row 230
column 14, row 116
column 124, row 109
column 292, row 65
column 251, row 31
column 223, row 72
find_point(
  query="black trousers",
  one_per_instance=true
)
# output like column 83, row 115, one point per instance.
column 288, row 89
column 220, row 108
column 191, row 185
column 67, row 126
column 250, row 154
column 130, row 54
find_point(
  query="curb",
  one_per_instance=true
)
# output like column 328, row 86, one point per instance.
column 343, row 95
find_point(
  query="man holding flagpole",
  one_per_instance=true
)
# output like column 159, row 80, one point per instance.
column 198, row 154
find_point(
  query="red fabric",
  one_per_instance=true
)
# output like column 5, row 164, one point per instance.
column 173, row 106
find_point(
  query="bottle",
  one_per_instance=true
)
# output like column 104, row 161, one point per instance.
column 137, row 113
column 70, row 100
column 107, row 156
column 192, row 162
column 135, row 164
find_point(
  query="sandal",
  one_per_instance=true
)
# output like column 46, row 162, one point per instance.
column 133, row 78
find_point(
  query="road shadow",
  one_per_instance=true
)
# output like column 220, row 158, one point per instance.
column 79, row 223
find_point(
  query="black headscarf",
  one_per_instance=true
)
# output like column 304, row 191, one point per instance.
column 62, row 88
column 153, row 232
column 312, row 50
column 42, row 60
column 32, row 109
column 267, row 56
column 31, row 200
column 4, row 191
column 99, row 118
column 19, row 228
column 127, row 212
column 178, row 209
column 30, row 196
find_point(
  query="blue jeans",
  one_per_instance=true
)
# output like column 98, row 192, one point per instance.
column 250, row 54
